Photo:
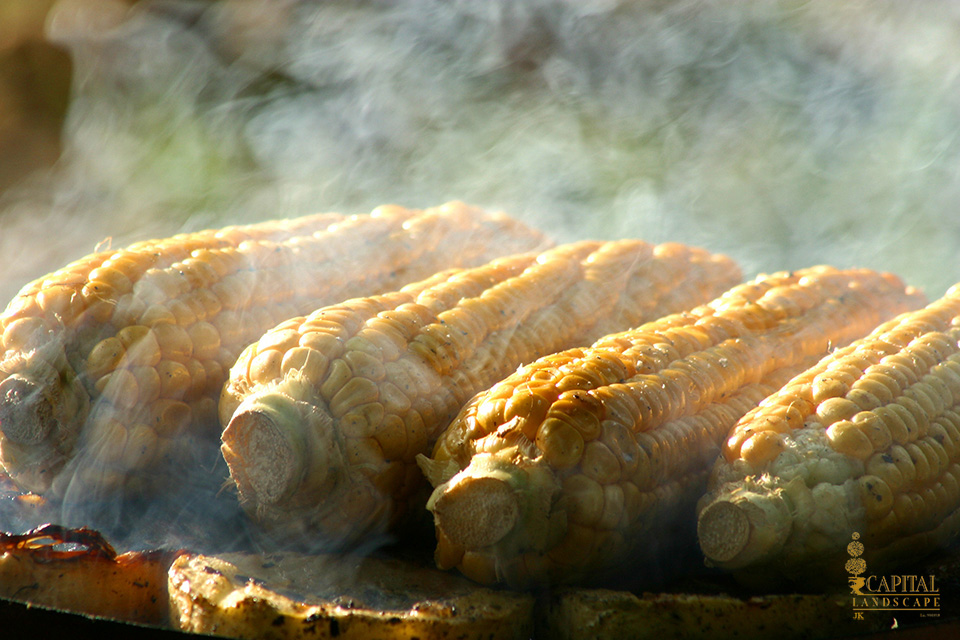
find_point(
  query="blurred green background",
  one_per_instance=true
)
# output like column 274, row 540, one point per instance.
column 783, row 133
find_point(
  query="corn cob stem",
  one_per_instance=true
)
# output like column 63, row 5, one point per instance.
column 486, row 508
column 111, row 366
column 746, row 527
column 277, row 451
column 875, row 450
column 388, row 372
column 25, row 420
column 596, row 451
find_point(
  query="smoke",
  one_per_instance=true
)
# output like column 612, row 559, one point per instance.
column 783, row 133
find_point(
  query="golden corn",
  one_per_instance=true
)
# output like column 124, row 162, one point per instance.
column 325, row 415
column 572, row 466
column 105, row 362
column 872, row 452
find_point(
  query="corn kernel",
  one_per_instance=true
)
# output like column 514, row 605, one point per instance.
column 599, row 463
column 353, row 393
column 761, row 448
column 560, row 444
column 876, row 497
column 849, row 439
column 585, row 500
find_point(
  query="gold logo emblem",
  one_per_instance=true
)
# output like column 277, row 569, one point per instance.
column 856, row 565
column 899, row 593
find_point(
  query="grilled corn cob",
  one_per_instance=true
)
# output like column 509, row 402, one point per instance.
column 577, row 462
column 105, row 362
column 325, row 414
column 867, row 442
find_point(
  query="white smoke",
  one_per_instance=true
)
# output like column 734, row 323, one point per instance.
column 784, row 133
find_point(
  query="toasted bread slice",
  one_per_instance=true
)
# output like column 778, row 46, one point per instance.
column 287, row 595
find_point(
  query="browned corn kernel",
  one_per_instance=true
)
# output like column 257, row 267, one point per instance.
column 444, row 339
column 186, row 306
column 664, row 396
column 879, row 465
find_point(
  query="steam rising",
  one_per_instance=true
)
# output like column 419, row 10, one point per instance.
column 782, row 133
column 785, row 133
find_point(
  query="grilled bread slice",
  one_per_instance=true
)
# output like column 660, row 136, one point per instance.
column 288, row 595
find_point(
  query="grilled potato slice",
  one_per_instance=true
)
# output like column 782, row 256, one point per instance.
column 288, row 595
column 77, row 570
column 602, row 614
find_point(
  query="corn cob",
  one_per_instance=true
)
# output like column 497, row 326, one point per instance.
column 867, row 442
column 581, row 460
column 325, row 415
column 106, row 362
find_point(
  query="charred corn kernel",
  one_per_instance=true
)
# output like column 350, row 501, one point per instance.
column 891, row 463
column 664, row 396
column 189, row 304
column 401, row 365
